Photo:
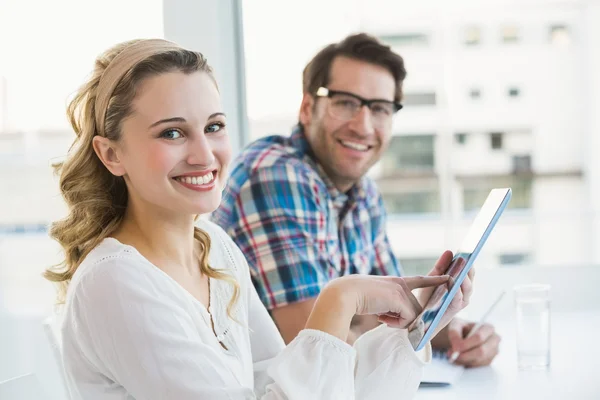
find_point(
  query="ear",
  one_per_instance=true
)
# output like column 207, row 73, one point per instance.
column 307, row 109
column 107, row 152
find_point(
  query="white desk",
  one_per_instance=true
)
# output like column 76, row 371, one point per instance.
column 574, row 373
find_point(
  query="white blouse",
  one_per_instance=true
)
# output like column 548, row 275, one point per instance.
column 130, row 331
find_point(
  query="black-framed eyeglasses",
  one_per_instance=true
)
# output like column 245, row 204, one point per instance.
column 345, row 105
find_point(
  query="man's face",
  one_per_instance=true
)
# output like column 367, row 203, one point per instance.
column 347, row 148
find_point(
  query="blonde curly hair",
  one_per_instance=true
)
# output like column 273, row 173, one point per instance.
column 97, row 199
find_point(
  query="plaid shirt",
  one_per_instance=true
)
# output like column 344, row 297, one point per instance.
column 295, row 228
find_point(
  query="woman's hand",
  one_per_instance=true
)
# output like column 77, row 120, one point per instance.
column 389, row 297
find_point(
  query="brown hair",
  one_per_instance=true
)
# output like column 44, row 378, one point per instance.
column 361, row 47
column 97, row 199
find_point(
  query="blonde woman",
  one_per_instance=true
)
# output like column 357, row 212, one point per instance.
column 158, row 304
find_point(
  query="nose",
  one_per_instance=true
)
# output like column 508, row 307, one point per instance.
column 362, row 123
column 200, row 151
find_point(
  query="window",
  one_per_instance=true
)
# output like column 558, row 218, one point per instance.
column 409, row 153
column 472, row 36
column 423, row 202
column 496, row 140
column 460, row 138
column 514, row 92
column 476, row 190
column 510, row 34
column 510, row 259
column 405, row 40
column 417, row 266
column 522, row 164
column 11, row 229
column 559, row 35
column 12, row 147
column 419, row 99
column 475, row 93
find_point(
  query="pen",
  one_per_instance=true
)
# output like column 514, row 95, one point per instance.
column 478, row 325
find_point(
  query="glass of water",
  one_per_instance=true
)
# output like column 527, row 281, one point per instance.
column 533, row 326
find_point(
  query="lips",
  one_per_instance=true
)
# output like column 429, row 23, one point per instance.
column 350, row 144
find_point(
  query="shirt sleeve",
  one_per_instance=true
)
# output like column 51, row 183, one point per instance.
column 280, row 223
column 298, row 371
column 315, row 365
column 387, row 366
column 386, row 262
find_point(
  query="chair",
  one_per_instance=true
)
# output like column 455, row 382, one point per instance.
column 24, row 387
column 52, row 332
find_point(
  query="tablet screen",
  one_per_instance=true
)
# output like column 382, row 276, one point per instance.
column 480, row 229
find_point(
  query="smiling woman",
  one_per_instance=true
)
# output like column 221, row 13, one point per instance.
column 115, row 153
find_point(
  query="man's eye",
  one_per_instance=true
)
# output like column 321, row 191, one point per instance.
column 171, row 134
column 381, row 109
column 347, row 103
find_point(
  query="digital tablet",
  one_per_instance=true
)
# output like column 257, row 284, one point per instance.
column 478, row 233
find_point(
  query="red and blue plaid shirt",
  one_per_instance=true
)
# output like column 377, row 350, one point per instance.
column 295, row 228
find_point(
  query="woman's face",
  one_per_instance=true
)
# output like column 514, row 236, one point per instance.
column 174, row 149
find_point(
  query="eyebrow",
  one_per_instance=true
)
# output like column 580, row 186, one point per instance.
column 181, row 119
column 359, row 97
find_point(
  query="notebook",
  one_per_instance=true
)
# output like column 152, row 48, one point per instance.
column 440, row 372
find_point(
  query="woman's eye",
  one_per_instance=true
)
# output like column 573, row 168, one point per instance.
column 171, row 134
column 216, row 127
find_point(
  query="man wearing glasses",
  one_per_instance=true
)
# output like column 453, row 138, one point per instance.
column 302, row 209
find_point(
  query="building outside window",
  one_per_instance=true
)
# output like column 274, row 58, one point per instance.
column 496, row 140
column 421, row 202
column 472, row 35
column 419, row 99
column 414, row 39
column 475, row 93
column 560, row 35
column 510, row 34
column 409, row 153
column 476, row 190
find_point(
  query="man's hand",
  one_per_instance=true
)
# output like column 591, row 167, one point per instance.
column 431, row 298
column 475, row 351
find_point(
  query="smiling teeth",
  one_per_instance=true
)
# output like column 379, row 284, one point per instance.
column 196, row 180
column 355, row 146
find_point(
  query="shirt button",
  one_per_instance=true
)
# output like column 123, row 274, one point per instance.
column 220, row 338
